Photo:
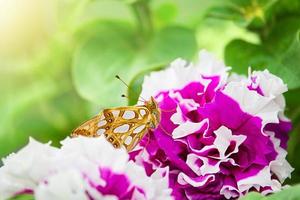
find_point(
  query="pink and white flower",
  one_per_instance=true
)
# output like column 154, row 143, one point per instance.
column 221, row 136
column 83, row 168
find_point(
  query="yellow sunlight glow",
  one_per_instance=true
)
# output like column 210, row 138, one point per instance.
column 23, row 24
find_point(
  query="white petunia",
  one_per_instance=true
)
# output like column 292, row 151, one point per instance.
column 83, row 168
column 25, row 169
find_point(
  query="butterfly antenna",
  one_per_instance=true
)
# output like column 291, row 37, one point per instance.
column 119, row 78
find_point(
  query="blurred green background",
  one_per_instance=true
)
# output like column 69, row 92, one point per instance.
column 58, row 58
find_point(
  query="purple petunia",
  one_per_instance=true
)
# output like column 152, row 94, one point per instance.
column 221, row 136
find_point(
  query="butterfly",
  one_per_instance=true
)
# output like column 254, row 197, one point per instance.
column 122, row 126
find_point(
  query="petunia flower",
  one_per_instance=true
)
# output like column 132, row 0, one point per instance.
column 221, row 136
column 83, row 168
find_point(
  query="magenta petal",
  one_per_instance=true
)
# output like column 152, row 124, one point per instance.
column 174, row 150
column 281, row 131
column 117, row 185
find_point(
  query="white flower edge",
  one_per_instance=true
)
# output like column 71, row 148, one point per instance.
column 67, row 184
column 180, row 72
column 23, row 170
column 253, row 103
column 70, row 169
column 270, row 84
column 97, row 151
column 209, row 65
column 156, row 187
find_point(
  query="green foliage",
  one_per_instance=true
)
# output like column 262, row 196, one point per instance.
column 23, row 197
column 280, row 57
column 96, row 62
column 39, row 103
column 247, row 13
column 290, row 193
column 253, row 196
column 98, row 59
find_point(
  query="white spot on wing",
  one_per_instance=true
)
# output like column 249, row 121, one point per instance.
column 115, row 113
column 100, row 131
column 139, row 129
column 128, row 140
column 102, row 123
column 122, row 129
column 142, row 112
column 128, row 114
column 102, row 117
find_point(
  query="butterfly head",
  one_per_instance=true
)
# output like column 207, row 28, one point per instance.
column 153, row 108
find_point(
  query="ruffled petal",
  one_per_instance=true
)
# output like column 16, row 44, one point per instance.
column 207, row 136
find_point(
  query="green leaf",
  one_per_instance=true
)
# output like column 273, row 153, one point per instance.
column 252, row 196
column 286, row 7
column 240, row 54
column 291, row 193
column 170, row 43
column 100, row 58
column 294, row 149
column 11, row 106
column 278, row 41
column 227, row 12
column 246, row 13
column 290, row 60
column 46, row 119
column 23, row 197
column 115, row 49
column 165, row 13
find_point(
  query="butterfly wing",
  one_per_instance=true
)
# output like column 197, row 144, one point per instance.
column 121, row 126
column 88, row 128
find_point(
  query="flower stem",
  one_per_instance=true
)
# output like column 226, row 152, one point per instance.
column 143, row 16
